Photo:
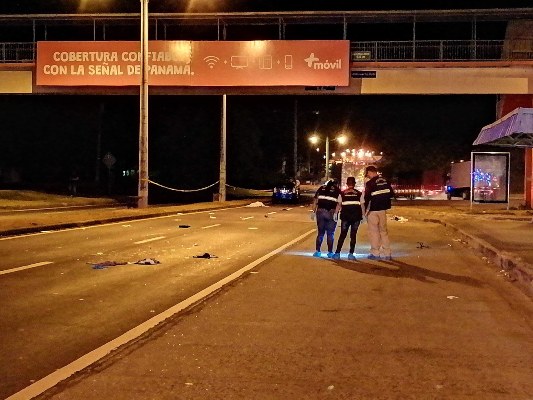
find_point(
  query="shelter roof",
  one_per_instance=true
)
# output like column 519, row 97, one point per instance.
column 512, row 130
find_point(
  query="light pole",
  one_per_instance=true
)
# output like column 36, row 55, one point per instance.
column 296, row 113
column 143, row 110
column 341, row 139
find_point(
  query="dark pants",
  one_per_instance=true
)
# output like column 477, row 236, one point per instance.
column 326, row 225
column 353, row 226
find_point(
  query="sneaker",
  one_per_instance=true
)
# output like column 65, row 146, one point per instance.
column 372, row 257
column 351, row 256
column 317, row 254
column 330, row 254
column 337, row 256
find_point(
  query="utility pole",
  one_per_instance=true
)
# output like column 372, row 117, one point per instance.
column 143, row 118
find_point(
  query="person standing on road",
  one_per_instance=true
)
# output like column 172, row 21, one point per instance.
column 351, row 216
column 378, row 195
column 326, row 205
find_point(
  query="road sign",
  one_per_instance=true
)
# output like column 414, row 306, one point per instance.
column 364, row 74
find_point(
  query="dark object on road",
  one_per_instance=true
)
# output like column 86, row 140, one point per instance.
column 105, row 264
column 422, row 246
column 148, row 261
column 184, row 226
column 287, row 191
column 205, row 255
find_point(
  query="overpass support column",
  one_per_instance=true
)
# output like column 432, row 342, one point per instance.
column 528, row 180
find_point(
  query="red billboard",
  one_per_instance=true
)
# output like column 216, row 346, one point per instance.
column 190, row 63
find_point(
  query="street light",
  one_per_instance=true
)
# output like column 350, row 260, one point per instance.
column 143, row 110
column 296, row 114
column 342, row 139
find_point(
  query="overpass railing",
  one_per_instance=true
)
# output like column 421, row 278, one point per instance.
column 420, row 50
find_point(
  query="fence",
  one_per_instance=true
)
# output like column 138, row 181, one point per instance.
column 420, row 50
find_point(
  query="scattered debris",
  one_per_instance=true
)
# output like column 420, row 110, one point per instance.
column 205, row 255
column 105, row 264
column 399, row 219
column 184, row 226
column 422, row 246
column 256, row 204
column 148, row 261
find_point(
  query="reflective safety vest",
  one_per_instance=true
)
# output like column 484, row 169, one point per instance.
column 327, row 199
column 351, row 205
column 378, row 194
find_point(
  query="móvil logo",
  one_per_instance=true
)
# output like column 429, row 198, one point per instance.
column 315, row 63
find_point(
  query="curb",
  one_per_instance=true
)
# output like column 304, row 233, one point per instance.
column 519, row 272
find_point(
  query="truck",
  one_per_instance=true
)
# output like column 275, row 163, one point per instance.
column 459, row 180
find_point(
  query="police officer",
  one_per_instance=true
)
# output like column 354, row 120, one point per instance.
column 326, row 205
column 351, row 216
column 378, row 195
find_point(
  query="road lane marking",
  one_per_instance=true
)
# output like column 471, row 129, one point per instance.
column 271, row 212
column 149, row 240
column 133, row 220
column 39, row 264
column 86, row 360
column 210, row 226
column 245, row 218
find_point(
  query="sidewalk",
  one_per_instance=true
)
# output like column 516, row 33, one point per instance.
column 504, row 237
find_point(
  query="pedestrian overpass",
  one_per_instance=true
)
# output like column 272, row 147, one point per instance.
column 430, row 59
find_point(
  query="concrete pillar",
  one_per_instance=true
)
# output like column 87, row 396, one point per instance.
column 528, row 180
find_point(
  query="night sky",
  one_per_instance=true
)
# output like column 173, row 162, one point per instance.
column 45, row 138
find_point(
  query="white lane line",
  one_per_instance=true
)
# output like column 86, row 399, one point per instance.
column 245, row 218
column 271, row 212
column 210, row 226
column 115, row 223
column 84, row 361
column 39, row 264
column 149, row 240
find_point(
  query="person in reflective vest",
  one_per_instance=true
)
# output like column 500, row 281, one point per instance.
column 378, row 195
column 326, row 205
column 351, row 216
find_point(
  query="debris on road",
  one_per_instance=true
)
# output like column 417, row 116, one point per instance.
column 452, row 297
column 148, row 261
column 205, row 255
column 421, row 245
column 399, row 219
column 184, row 226
column 256, row 204
column 105, row 264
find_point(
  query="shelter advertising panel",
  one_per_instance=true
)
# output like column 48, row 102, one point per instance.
column 490, row 177
column 195, row 63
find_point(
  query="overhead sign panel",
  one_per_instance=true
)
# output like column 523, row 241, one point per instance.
column 188, row 63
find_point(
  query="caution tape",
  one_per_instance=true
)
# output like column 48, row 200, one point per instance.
column 183, row 190
column 233, row 188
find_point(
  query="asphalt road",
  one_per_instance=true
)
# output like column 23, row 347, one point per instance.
column 437, row 322
column 54, row 307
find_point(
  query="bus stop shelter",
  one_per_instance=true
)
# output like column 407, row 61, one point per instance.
column 513, row 130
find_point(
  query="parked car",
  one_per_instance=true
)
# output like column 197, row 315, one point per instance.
column 287, row 191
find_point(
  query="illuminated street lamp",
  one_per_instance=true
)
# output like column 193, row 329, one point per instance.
column 342, row 139
column 143, row 110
